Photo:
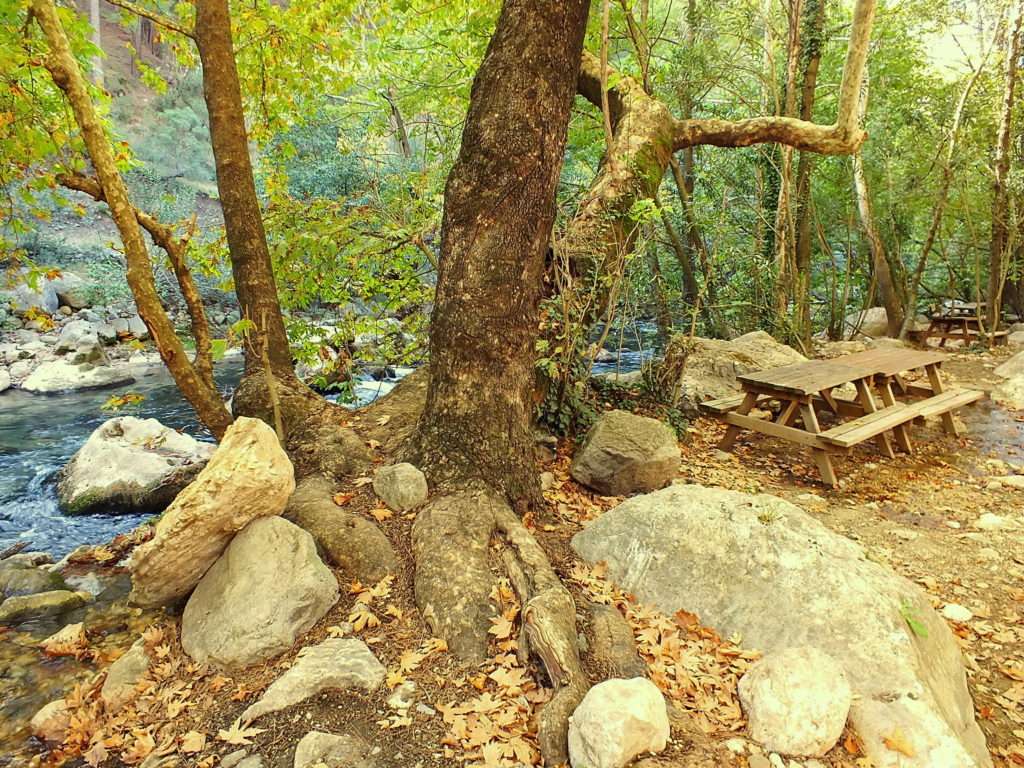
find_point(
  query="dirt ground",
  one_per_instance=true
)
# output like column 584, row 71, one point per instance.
column 916, row 513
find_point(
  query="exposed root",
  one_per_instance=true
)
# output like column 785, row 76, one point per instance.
column 454, row 580
column 349, row 541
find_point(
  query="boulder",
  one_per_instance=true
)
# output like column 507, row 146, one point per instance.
column 797, row 701
column 63, row 376
column 123, row 676
column 72, row 291
column 268, row 588
column 40, row 605
column 401, row 486
column 51, row 723
column 79, row 341
column 5, row 380
column 130, row 465
column 23, row 297
column 1010, row 393
column 137, row 328
column 617, row 721
column 872, row 322
column 1012, row 368
column 712, row 365
column 19, row 578
column 1015, row 339
column 248, row 476
column 327, row 750
column 624, row 453
column 339, row 663
column 760, row 567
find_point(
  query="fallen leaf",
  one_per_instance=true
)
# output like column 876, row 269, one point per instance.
column 238, row 735
column 193, row 741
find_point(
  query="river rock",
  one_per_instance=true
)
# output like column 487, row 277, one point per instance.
column 14, row 610
column 62, row 376
column 123, row 676
column 51, row 723
column 617, row 721
column 23, row 297
column 624, row 453
column 327, row 750
column 130, row 465
column 267, row 588
column 19, row 578
column 339, row 663
column 79, row 341
column 797, row 701
column 72, row 291
column 401, row 486
column 760, row 567
column 5, row 380
column 248, row 476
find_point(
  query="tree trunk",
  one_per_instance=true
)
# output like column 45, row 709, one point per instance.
column 198, row 389
column 813, row 33
column 498, row 213
column 243, row 220
column 1000, row 192
column 96, row 20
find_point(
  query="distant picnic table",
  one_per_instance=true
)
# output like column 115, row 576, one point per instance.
column 960, row 321
column 804, row 390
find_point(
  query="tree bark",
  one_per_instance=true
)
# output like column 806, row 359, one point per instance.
column 498, row 213
column 1000, row 192
column 243, row 219
column 197, row 388
column 96, row 20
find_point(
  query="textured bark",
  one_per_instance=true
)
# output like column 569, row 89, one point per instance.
column 197, row 388
column 243, row 219
column 1000, row 193
column 498, row 213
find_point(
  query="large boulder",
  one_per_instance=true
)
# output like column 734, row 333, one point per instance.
column 625, row 453
column 130, row 465
column 797, row 701
column 1012, row 368
column 72, row 291
column 80, row 342
column 338, row 663
column 249, row 476
column 1010, row 392
column 617, row 721
column 63, row 376
column 268, row 588
column 760, row 567
column 712, row 365
column 41, row 296
column 872, row 322
column 40, row 605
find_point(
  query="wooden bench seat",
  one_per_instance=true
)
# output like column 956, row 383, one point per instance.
column 723, row 404
column 946, row 402
column 850, row 433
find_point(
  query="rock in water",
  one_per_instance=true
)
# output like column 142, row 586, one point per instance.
column 617, row 721
column 760, row 567
column 796, row 701
column 63, row 376
column 51, row 723
column 624, row 453
column 335, row 664
column 14, row 610
column 267, row 588
column 130, row 465
column 401, row 486
column 249, row 476
column 122, row 677
column 326, row 750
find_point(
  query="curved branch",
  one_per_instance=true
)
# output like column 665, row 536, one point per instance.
column 157, row 18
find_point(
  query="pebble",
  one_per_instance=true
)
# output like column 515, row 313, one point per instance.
column 956, row 612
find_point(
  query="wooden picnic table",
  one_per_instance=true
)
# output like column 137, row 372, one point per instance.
column 805, row 390
column 961, row 321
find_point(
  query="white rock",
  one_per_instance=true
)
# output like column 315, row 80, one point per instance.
column 989, row 521
column 334, row 664
column 249, row 476
column 326, row 750
column 130, row 465
column 1012, row 368
column 797, row 701
column 1010, row 392
column 624, row 453
column 51, row 723
column 5, row 380
column 1013, row 481
column 62, row 376
column 956, row 612
column 123, row 676
column 617, row 721
column 762, row 568
column 401, row 486
column 268, row 588
column 404, row 696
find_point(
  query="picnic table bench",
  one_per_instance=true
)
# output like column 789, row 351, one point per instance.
column 804, row 390
column 960, row 321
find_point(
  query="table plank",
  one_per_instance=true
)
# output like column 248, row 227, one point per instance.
column 807, row 378
column 889, row 362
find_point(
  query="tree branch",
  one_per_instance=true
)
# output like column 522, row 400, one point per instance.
column 154, row 16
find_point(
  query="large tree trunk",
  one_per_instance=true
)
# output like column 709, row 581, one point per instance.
column 243, row 219
column 498, row 213
column 1000, row 192
column 195, row 383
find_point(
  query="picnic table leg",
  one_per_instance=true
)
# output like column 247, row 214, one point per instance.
column 788, row 413
column 948, row 422
column 902, row 431
column 749, row 401
column 821, row 457
column 867, row 401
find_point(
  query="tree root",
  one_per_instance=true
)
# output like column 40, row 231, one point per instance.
column 454, row 580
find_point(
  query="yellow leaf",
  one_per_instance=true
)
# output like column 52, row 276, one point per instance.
column 238, row 735
column 897, row 742
column 193, row 741
column 501, row 627
column 380, row 514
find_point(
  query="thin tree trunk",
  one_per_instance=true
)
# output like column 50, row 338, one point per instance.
column 690, row 288
column 498, row 213
column 96, row 20
column 880, row 263
column 67, row 75
column 398, row 122
column 662, row 313
column 243, row 219
column 1000, row 192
